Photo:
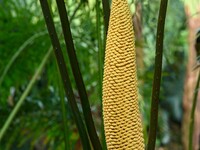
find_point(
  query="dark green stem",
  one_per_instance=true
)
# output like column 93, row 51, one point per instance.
column 100, row 63
column 193, row 113
column 77, row 75
column 64, row 74
column 157, row 76
column 106, row 14
column 100, row 47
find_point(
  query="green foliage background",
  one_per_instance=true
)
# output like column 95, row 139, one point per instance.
column 39, row 121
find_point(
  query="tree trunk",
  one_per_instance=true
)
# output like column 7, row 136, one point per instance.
column 137, row 22
column 193, row 23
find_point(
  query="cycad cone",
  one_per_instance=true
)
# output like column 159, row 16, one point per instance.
column 122, row 119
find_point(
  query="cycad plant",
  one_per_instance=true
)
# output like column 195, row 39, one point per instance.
column 121, row 115
column 122, row 121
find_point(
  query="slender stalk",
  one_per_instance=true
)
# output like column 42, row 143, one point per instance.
column 18, row 52
column 192, row 115
column 64, row 112
column 64, row 74
column 24, row 95
column 106, row 14
column 157, row 76
column 100, row 64
column 77, row 75
column 100, row 47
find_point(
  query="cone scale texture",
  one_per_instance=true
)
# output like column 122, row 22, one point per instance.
column 122, row 119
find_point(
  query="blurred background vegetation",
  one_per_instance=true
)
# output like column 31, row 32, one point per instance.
column 24, row 42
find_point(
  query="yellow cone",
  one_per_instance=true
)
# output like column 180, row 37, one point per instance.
column 122, row 119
